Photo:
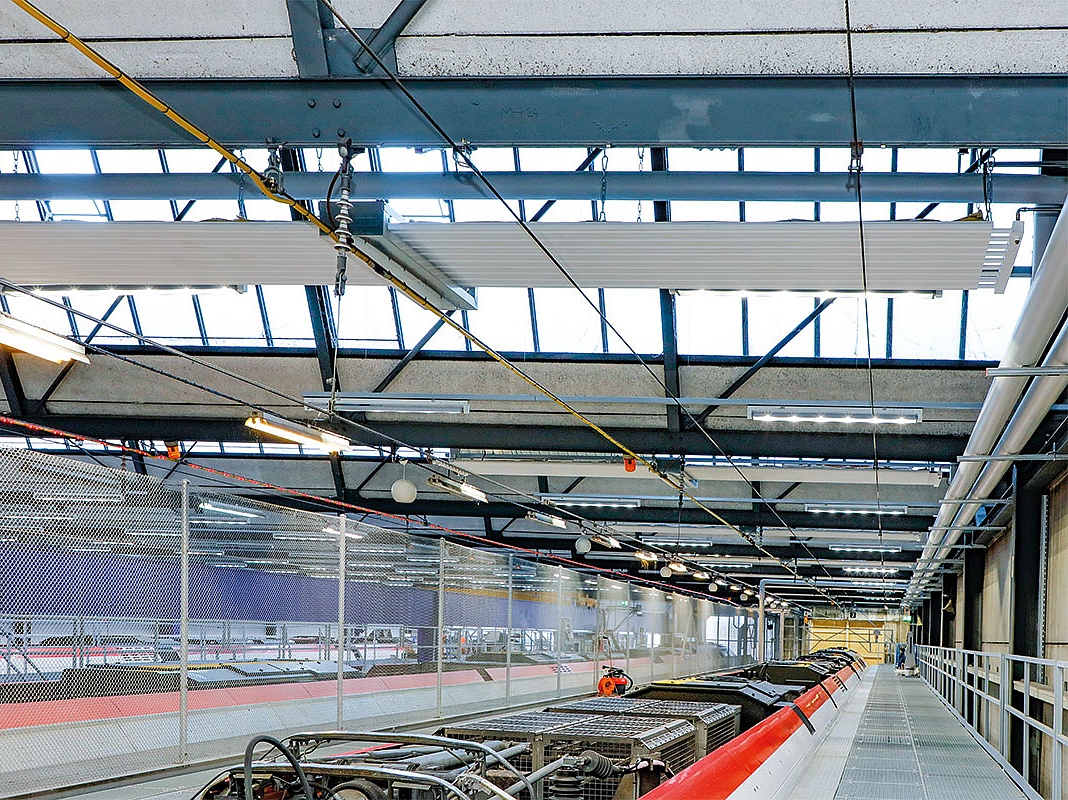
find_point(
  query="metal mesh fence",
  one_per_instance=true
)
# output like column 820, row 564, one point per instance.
column 146, row 624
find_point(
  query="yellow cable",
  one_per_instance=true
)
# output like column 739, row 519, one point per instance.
column 148, row 97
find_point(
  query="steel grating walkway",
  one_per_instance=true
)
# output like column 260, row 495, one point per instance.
column 909, row 746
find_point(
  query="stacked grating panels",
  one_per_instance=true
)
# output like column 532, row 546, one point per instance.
column 715, row 723
column 530, row 727
column 623, row 738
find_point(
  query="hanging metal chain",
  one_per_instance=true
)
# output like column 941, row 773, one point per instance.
column 17, row 217
column 641, row 168
column 319, row 158
column 604, row 182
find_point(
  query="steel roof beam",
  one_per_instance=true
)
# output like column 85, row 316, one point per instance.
column 577, row 185
column 787, row 444
column 936, row 111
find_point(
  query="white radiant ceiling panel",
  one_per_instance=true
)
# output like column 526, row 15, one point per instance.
column 168, row 254
column 901, row 256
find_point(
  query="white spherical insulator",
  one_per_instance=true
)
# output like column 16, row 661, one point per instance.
column 403, row 491
column 666, row 572
column 583, row 545
column 713, row 587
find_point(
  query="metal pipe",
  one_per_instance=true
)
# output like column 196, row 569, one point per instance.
column 1040, row 317
column 1042, row 393
column 725, row 186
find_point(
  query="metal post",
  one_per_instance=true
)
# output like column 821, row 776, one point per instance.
column 183, row 633
column 508, row 639
column 1004, row 692
column 761, row 595
column 1058, row 727
column 441, row 618
column 341, row 571
column 559, row 628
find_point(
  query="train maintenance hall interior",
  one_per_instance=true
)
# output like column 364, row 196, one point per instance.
column 545, row 400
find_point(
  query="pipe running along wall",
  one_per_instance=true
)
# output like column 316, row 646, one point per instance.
column 1041, row 316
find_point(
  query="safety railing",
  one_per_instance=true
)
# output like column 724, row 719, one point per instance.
column 1013, row 704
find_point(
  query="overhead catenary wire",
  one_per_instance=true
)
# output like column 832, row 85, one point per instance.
column 461, row 150
column 857, row 153
column 274, row 193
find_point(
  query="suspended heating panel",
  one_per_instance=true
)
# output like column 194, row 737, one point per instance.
column 901, row 256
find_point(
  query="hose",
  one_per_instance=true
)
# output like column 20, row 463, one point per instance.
column 285, row 751
column 372, row 791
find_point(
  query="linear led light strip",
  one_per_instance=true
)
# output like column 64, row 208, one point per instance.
column 857, row 508
column 844, row 415
column 39, row 342
column 591, row 501
column 225, row 510
column 295, row 432
column 397, row 405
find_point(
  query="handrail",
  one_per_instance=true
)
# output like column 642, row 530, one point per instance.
column 979, row 688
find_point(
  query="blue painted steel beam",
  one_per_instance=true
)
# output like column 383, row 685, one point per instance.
column 306, row 23
column 943, row 111
column 733, row 186
column 892, row 447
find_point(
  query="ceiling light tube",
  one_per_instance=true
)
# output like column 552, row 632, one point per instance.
column 880, row 509
column 645, row 555
column 836, row 414
column 871, row 570
column 838, row 549
column 224, row 510
column 348, row 534
column 459, row 488
column 39, row 342
column 297, row 433
column 386, row 404
column 548, row 519
column 591, row 501
column 677, row 566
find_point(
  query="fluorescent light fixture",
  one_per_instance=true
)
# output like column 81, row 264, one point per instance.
column 880, row 509
column 607, row 540
column 459, row 488
column 53, row 497
column 872, row 570
column 232, row 511
column 839, row 549
column 348, row 534
column 376, row 403
column 547, row 519
column 700, row 576
column 837, row 414
column 591, row 501
column 736, row 587
column 295, row 432
column 677, row 566
column 39, row 342
column 645, row 555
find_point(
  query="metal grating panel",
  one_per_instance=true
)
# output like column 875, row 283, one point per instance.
column 908, row 745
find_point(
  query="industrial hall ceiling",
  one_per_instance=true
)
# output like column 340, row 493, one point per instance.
column 705, row 294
